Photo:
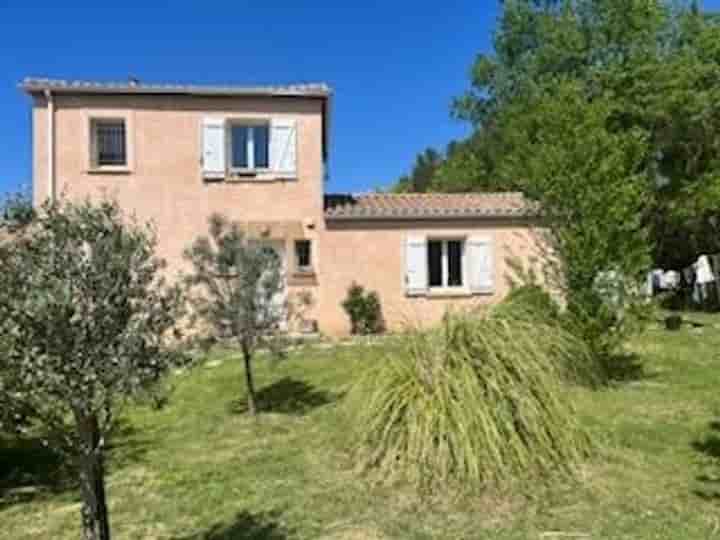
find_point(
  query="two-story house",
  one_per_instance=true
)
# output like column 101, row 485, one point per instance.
column 175, row 154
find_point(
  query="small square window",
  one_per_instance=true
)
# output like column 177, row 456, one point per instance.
column 249, row 146
column 303, row 255
column 109, row 144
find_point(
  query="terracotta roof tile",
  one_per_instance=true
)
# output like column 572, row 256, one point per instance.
column 428, row 206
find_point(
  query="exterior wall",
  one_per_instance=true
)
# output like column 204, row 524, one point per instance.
column 164, row 182
column 372, row 254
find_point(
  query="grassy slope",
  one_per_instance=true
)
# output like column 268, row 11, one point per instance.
column 199, row 470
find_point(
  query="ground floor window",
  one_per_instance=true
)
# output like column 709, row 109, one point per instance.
column 445, row 263
column 303, row 255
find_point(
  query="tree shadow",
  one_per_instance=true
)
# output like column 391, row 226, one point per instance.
column 287, row 396
column 709, row 449
column 30, row 469
column 246, row 526
column 126, row 445
column 625, row 367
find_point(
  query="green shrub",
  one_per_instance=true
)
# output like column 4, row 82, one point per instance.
column 534, row 299
column 364, row 310
column 479, row 402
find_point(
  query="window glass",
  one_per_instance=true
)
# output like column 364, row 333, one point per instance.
column 261, row 136
column 110, row 146
column 435, row 271
column 303, row 254
column 239, row 141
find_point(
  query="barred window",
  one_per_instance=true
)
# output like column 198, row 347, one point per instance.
column 109, row 142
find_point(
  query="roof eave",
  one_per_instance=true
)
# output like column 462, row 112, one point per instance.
column 446, row 217
column 125, row 90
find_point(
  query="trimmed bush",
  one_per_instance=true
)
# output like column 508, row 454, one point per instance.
column 364, row 310
column 479, row 402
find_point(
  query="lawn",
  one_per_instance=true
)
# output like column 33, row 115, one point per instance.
column 201, row 469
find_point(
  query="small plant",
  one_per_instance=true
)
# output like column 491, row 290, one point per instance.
column 479, row 402
column 363, row 308
column 234, row 287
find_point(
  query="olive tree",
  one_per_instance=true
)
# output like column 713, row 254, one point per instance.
column 234, row 287
column 86, row 323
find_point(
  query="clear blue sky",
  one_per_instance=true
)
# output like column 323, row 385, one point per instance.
column 394, row 65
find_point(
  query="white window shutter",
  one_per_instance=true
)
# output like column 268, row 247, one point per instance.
column 283, row 147
column 213, row 141
column 481, row 263
column 416, row 282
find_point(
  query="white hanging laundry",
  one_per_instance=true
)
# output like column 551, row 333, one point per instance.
column 670, row 280
column 704, row 272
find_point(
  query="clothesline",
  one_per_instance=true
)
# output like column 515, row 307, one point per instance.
column 701, row 279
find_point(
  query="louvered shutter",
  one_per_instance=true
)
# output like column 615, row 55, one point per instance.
column 415, row 265
column 481, row 264
column 213, row 141
column 283, row 147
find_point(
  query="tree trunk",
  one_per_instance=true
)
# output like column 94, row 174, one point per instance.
column 252, row 408
column 96, row 525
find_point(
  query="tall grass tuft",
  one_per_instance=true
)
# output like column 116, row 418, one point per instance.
column 479, row 402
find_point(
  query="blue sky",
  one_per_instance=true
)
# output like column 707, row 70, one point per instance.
column 394, row 65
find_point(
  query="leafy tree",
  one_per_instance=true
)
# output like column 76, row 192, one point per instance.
column 16, row 210
column 595, row 197
column 657, row 62
column 85, row 320
column 418, row 181
column 234, row 288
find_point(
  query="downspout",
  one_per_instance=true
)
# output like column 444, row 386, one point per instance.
column 51, row 145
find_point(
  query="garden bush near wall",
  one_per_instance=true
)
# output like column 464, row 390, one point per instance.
column 364, row 310
column 479, row 402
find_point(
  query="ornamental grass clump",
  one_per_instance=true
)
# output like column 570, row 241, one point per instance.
column 480, row 402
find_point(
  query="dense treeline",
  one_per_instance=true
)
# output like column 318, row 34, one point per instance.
column 653, row 66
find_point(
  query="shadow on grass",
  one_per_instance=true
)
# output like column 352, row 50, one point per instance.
column 126, row 445
column 625, row 367
column 29, row 469
column 246, row 526
column 709, row 449
column 287, row 396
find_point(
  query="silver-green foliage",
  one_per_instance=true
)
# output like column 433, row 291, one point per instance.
column 234, row 288
column 479, row 402
column 84, row 322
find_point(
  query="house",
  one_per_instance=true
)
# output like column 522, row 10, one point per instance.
column 174, row 154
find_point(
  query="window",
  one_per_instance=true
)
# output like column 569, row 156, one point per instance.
column 445, row 263
column 249, row 146
column 109, row 144
column 303, row 255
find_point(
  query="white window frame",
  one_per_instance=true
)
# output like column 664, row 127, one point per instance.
column 445, row 264
column 250, row 148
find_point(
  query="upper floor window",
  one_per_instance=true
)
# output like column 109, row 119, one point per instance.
column 249, row 146
column 109, row 143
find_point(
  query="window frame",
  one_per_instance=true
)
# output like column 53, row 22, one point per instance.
column 445, row 264
column 249, row 124
column 94, row 117
column 303, row 269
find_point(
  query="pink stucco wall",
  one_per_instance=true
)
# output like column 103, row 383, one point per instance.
column 164, row 184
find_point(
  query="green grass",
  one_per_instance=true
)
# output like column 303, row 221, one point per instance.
column 199, row 469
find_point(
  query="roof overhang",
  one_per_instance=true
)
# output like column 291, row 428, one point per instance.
column 35, row 86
